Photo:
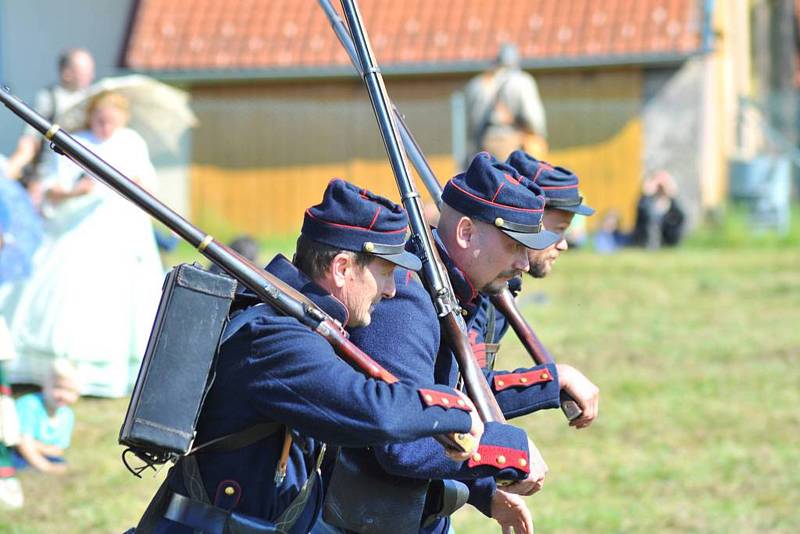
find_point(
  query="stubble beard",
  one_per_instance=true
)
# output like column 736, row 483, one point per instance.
column 540, row 269
column 496, row 286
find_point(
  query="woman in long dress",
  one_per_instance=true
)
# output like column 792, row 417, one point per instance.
column 95, row 287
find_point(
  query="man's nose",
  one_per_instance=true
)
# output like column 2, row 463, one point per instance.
column 522, row 263
column 389, row 288
column 562, row 245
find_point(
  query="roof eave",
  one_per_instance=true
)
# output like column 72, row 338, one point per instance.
column 188, row 76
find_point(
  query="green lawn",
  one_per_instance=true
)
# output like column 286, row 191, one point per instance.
column 696, row 353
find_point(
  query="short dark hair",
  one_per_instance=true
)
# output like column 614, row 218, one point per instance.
column 314, row 258
column 65, row 58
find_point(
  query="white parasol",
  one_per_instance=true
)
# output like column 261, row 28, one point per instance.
column 159, row 112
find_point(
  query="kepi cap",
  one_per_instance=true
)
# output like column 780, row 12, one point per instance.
column 560, row 185
column 495, row 193
column 354, row 219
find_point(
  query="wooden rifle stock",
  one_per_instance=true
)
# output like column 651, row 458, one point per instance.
column 266, row 286
column 433, row 272
column 505, row 303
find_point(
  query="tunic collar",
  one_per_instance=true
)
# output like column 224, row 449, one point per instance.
column 281, row 267
column 465, row 291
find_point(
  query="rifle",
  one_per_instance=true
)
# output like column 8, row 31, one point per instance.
column 504, row 301
column 266, row 286
column 433, row 272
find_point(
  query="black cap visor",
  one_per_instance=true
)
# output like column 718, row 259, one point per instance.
column 536, row 241
column 404, row 259
column 396, row 254
column 579, row 209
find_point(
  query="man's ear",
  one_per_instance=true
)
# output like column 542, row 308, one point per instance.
column 465, row 232
column 340, row 264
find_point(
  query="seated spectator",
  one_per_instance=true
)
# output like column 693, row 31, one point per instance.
column 659, row 217
column 11, row 495
column 576, row 233
column 46, row 421
column 609, row 237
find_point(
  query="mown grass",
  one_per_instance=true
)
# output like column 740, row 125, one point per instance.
column 696, row 352
column 696, row 355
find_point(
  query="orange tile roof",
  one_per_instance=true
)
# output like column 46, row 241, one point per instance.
column 186, row 35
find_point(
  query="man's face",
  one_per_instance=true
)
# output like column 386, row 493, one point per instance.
column 365, row 287
column 105, row 120
column 61, row 392
column 542, row 260
column 79, row 73
column 498, row 259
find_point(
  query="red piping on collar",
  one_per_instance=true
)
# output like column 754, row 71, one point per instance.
column 466, row 278
column 346, row 311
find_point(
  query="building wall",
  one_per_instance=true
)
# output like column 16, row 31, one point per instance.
column 595, row 127
column 264, row 152
column 673, row 128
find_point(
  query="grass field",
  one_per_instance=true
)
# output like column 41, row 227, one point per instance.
column 696, row 352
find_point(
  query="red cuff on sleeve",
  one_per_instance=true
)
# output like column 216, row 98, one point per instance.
column 524, row 380
column 500, row 457
column 431, row 397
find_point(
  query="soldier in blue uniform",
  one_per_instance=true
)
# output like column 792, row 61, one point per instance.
column 491, row 217
column 563, row 202
column 280, row 390
column 561, row 190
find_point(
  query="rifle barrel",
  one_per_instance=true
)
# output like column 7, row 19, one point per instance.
column 433, row 273
column 266, row 286
column 505, row 303
column 414, row 152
